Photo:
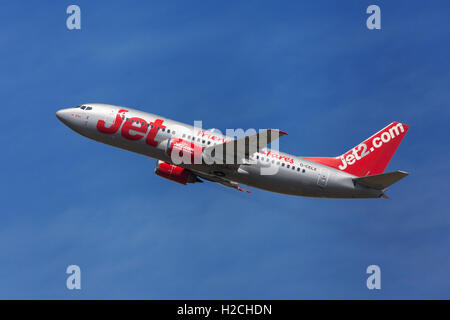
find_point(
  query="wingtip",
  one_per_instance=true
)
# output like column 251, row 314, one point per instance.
column 281, row 132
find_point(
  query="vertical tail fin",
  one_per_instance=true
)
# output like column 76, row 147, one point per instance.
column 370, row 156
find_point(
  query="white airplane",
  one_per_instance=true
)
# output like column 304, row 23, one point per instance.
column 187, row 154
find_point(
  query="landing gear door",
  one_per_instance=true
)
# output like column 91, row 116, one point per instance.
column 322, row 179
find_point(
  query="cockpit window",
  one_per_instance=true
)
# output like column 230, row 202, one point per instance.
column 89, row 108
column 83, row 107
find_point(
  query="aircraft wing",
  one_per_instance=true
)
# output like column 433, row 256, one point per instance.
column 223, row 181
column 237, row 151
column 225, row 158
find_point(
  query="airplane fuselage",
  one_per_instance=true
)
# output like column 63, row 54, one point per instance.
column 145, row 133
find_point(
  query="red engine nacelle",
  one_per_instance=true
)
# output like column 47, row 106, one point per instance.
column 175, row 173
column 182, row 151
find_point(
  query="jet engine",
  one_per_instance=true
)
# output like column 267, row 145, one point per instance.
column 175, row 173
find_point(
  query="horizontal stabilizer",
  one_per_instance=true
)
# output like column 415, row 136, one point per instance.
column 381, row 181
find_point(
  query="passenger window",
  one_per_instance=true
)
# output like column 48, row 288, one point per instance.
column 203, row 141
column 257, row 157
column 209, row 142
column 163, row 129
column 288, row 166
column 184, row 135
column 298, row 169
column 168, row 130
column 282, row 164
column 303, row 170
column 278, row 163
column 173, row 132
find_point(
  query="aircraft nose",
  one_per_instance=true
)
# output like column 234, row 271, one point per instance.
column 62, row 115
column 59, row 114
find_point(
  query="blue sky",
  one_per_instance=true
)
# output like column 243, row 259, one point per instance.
column 310, row 68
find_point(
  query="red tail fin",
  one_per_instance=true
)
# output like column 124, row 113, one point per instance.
column 371, row 156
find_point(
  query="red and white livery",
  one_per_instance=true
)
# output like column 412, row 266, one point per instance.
column 186, row 154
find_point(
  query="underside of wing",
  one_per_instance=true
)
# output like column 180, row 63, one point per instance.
column 223, row 181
